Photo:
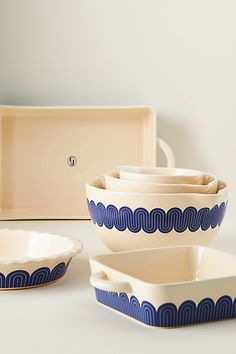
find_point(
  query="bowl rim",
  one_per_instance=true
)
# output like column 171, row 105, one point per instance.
column 221, row 191
column 132, row 169
column 76, row 248
column 214, row 179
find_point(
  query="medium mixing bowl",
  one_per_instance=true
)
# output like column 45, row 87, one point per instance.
column 114, row 183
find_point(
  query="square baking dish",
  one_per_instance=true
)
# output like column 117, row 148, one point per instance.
column 48, row 153
column 167, row 287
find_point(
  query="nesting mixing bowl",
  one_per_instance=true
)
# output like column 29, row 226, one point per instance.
column 30, row 258
column 134, row 220
column 114, row 183
column 160, row 175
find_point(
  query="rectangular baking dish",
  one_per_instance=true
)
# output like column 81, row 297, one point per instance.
column 167, row 287
column 48, row 153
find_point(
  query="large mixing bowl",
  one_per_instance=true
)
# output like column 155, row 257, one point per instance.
column 127, row 221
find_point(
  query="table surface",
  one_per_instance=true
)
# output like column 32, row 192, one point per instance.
column 65, row 318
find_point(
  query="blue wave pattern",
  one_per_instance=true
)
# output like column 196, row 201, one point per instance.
column 21, row 278
column 157, row 219
column 168, row 315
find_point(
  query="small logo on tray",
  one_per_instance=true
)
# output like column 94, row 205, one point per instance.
column 72, row 161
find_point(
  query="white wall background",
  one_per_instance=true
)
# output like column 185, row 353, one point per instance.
column 179, row 56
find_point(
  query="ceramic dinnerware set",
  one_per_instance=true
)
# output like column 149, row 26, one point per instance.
column 159, row 222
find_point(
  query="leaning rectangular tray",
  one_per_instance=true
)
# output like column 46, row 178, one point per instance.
column 167, row 287
column 38, row 143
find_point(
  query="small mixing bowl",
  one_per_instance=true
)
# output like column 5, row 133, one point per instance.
column 160, row 175
column 30, row 258
column 114, row 183
column 128, row 221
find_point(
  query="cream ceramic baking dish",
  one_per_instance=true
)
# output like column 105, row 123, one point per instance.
column 30, row 258
column 167, row 287
column 48, row 153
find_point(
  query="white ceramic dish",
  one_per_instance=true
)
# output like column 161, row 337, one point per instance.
column 48, row 153
column 167, row 287
column 30, row 259
column 114, row 183
column 127, row 221
column 160, row 175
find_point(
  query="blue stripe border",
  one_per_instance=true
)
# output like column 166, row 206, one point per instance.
column 22, row 279
column 168, row 315
column 157, row 219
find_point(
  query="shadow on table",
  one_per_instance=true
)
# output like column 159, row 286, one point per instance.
column 78, row 273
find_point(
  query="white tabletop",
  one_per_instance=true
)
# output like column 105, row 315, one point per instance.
column 65, row 318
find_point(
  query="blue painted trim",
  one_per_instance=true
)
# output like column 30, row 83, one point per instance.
column 21, row 278
column 168, row 315
column 157, row 219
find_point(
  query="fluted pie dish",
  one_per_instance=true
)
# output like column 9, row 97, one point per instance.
column 31, row 259
column 167, row 287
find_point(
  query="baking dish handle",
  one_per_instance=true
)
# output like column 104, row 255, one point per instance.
column 99, row 280
column 166, row 149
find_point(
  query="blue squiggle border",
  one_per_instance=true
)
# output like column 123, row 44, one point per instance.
column 168, row 315
column 157, row 219
column 21, row 278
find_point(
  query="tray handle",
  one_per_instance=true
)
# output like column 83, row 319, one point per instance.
column 166, row 149
column 99, row 280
